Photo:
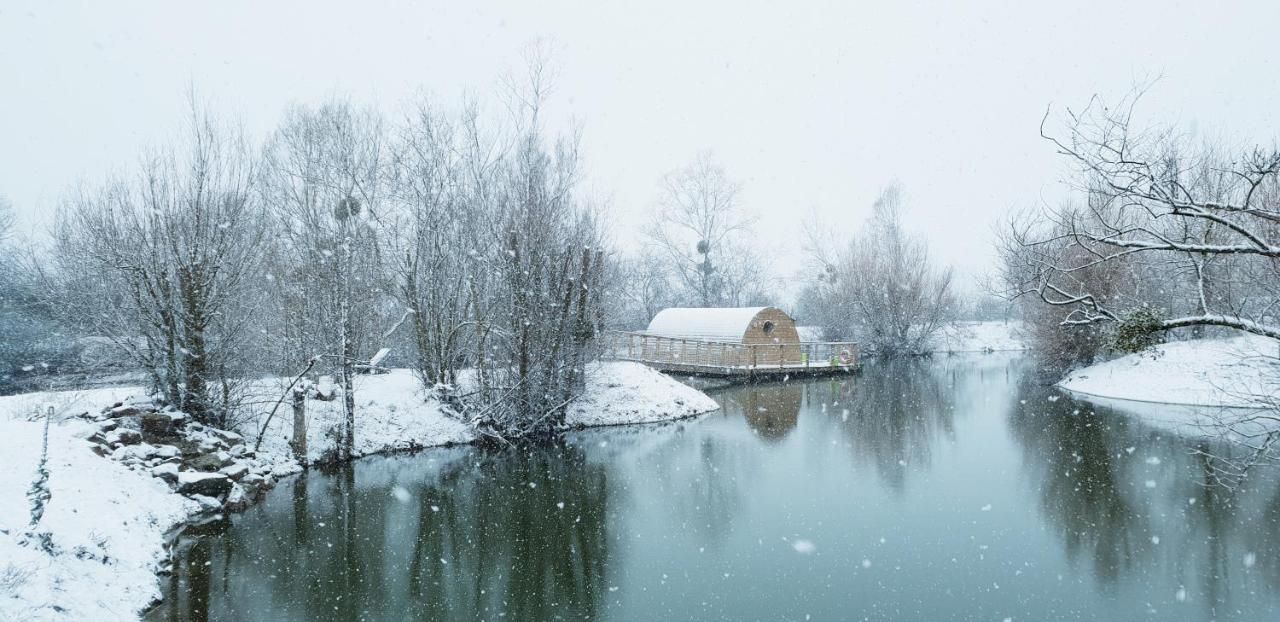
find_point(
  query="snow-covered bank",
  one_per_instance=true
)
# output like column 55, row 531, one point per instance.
column 996, row 336
column 106, row 524
column 622, row 392
column 393, row 413
column 1238, row 372
column 117, row 483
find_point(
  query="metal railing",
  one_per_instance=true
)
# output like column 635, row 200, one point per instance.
column 696, row 353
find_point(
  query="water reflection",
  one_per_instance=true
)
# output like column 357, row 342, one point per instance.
column 892, row 417
column 1138, row 506
column 771, row 410
column 486, row 534
column 944, row 489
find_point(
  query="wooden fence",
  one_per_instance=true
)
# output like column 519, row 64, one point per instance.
column 693, row 354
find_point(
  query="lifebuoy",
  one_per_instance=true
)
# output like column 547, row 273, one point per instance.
column 846, row 357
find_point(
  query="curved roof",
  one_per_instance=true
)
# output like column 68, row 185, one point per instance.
column 714, row 323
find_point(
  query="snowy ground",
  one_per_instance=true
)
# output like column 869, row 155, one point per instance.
column 1235, row 372
column 107, row 522
column 623, row 392
column 997, row 336
column 392, row 413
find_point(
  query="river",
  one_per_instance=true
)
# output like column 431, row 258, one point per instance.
column 957, row 488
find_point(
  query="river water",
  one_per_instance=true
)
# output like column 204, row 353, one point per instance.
column 953, row 489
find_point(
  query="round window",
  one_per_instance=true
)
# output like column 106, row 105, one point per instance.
column 768, row 327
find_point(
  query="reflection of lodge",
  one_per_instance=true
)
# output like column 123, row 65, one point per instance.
column 771, row 410
column 748, row 341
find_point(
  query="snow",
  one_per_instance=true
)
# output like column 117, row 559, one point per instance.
column 1237, row 372
column 393, row 412
column 106, row 523
column 623, row 392
column 720, row 324
column 191, row 477
column 995, row 336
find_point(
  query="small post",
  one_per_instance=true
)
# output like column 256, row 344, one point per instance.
column 298, row 445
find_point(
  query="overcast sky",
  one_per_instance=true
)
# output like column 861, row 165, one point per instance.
column 814, row 107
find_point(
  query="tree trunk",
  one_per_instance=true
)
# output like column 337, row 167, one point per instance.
column 298, row 445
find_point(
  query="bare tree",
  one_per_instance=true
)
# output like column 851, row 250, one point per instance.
column 883, row 288
column 547, row 271
column 323, row 178
column 7, row 219
column 444, row 172
column 1164, row 213
column 705, row 238
column 638, row 287
column 160, row 263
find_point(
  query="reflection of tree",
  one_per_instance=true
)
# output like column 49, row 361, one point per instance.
column 191, row 582
column 1081, row 458
column 486, row 537
column 496, row 540
column 1093, row 468
column 896, row 410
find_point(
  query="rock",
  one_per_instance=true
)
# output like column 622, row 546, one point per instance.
column 165, row 451
column 230, row 438
column 159, row 424
column 237, row 499
column 210, row 461
column 126, row 410
column 167, row 472
column 108, row 425
column 124, row 436
column 235, row 471
column 207, row 503
column 208, row 484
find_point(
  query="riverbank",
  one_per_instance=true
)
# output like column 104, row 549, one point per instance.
column 990, row 336
column 1236, row 372
column 116, row 494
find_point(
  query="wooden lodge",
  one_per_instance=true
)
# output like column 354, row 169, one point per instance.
column 744, row 341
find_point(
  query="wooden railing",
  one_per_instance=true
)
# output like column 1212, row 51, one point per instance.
column 695, row 353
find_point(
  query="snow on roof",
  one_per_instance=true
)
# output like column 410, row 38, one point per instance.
column 715, row 323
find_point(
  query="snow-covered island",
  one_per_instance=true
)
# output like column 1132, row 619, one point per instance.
column 1237, row 372
column 1203, row 386
column 124, row 474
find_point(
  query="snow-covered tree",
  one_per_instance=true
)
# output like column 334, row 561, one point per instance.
column 161, row 262
column 881, row 287
column 323, row 179
column 705, row 238
column 1170, row 235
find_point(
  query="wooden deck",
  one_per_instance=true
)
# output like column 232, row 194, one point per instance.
column 728, row 359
